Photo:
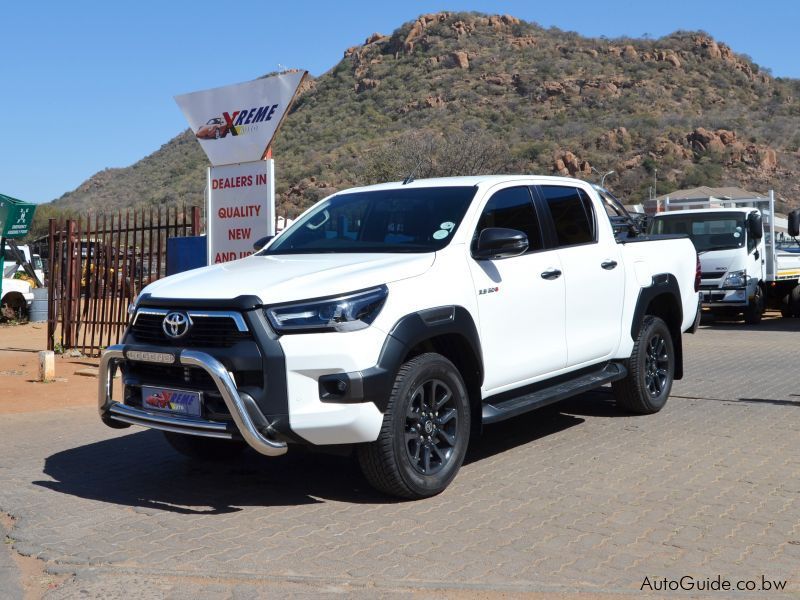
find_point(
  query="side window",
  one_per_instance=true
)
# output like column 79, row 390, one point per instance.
column 512, row 208
column 573, row 214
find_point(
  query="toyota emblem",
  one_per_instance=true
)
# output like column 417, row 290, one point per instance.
column 176, row 324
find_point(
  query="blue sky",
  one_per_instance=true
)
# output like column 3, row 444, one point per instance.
column 89, row 85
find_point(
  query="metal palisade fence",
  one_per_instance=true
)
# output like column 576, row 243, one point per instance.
column 97, row 266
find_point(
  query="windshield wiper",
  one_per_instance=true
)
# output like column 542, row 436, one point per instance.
column 718, row 248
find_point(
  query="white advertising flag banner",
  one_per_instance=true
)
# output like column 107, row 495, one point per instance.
column 236, row 123
column 241, row 208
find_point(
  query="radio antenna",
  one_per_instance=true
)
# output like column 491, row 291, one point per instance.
column 410, row 177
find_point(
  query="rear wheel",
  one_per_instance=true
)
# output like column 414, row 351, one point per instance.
column 203, row 448
column 793, row 300
column 786, row 306
column 651, row 369
column 425, row 431
column 755, row 309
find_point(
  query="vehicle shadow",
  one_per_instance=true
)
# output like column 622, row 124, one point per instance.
column 141, row 470
column 772, row 322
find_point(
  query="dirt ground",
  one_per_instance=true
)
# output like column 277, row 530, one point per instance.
column 20, row 391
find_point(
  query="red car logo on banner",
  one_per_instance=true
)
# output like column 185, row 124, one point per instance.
column 214, row 129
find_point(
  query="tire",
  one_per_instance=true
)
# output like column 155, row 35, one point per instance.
column 651, row 370
column 786, row 307
column 416, row 456
column 794, row 301
column 755, row 309
column 203, row 448
column 216, row 134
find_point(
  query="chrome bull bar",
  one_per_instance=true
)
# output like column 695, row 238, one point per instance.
column 248, row 419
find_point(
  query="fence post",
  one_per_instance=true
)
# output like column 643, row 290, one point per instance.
column 195, row 220
column 51, row 293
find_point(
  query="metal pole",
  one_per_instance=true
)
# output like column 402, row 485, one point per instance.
column 2, row 263
column 655, row 183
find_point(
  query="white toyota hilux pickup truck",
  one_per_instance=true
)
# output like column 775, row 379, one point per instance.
column 398, row 319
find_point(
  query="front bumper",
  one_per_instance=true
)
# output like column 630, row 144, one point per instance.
column 719, row 298
column 249, row 421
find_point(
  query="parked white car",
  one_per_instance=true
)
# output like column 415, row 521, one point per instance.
column 400, row 318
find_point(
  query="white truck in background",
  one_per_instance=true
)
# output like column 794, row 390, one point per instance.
column 11, row 265
column 742, row 270
column 16, row 299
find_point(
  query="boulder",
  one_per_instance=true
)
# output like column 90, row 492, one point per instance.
column 629, row 53
column 566, row 163
column 631, row 163
column 462, row 28
column 526, row 41
column 365, row 84
column 553, row 88
column 460, row 59
column 768, row 159
column 614, row 140
column 375, row 37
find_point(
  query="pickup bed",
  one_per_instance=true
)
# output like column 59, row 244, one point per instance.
column 398, row 319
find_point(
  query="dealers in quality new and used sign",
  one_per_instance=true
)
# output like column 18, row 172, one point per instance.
column 240, row 211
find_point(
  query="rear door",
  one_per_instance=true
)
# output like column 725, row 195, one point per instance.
column 521, row 311
column 593, row 272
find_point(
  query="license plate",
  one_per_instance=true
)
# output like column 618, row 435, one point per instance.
column 179, row 402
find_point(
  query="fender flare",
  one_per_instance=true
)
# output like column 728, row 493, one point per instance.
column 662, row 284
column 408, row 332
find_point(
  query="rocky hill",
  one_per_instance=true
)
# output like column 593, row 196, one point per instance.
column 471, row 92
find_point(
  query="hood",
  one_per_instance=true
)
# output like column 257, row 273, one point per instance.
column 283, row 278
column 15, row 285
column 721, row 261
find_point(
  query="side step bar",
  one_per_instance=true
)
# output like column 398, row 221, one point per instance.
column 511, row 407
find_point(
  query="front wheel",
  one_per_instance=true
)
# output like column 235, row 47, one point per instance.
column 651, row 369
column 425, row 431
column 755, row 309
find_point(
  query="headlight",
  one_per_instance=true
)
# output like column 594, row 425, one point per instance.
column 342, row 313
column 735, row 279
column 132, row 305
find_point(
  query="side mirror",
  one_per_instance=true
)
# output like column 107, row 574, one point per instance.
column 794, row 223
column 499, row 242
column 261, row 242
column 754, row 226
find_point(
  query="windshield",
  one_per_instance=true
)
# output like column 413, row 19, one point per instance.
column 707, row 232
column 397, row 220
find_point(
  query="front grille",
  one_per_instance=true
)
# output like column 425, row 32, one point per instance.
column 712, row 274
column 140, row 373
column 715, row 297
column 219, row 331
column 137, row 374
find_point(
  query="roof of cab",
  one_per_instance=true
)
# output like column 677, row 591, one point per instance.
column 468, row 181
column 700, row 211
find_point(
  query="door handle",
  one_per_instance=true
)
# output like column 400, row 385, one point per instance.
column 609, row 264
column 551, row 274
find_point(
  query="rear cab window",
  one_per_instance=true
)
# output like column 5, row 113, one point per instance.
column 572, row 215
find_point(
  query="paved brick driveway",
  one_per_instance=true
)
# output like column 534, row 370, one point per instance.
column 574, row 498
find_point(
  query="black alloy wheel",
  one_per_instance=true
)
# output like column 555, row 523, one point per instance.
column 657, row 365
column 431, row 426
column 425, row 430
column 651, row 369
